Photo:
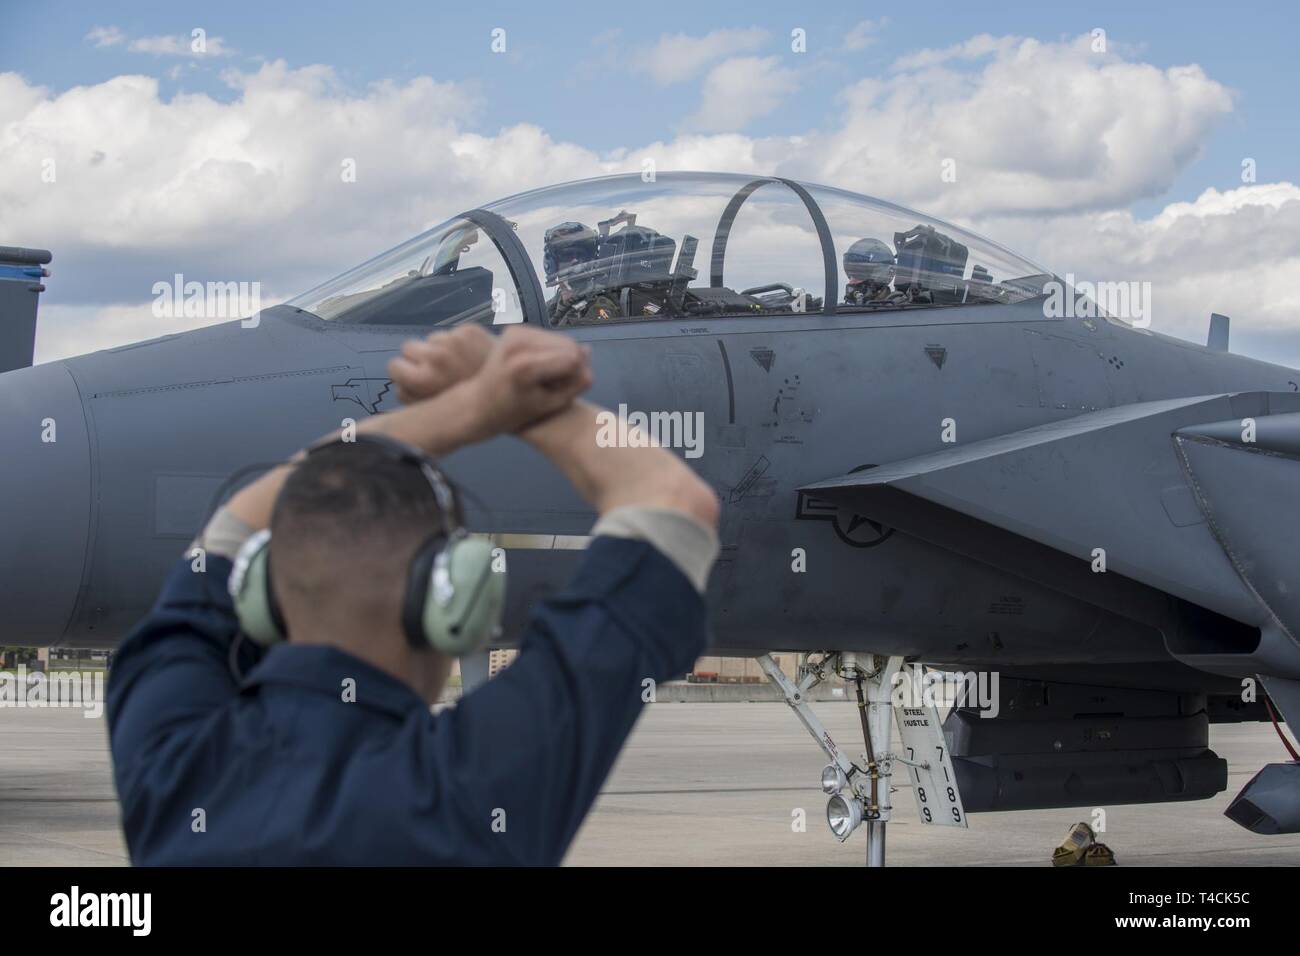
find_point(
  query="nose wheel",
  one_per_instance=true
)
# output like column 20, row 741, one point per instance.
column 887, row 688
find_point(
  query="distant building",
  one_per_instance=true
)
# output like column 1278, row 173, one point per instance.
column 716, row 670
column 737, row 670
column 499, row 660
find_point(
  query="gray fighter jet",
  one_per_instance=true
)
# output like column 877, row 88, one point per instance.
column 927, row 449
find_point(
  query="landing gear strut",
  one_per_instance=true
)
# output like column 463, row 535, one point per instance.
column 862, row 793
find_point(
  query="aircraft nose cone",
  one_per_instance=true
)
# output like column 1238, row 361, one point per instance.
column 44, row 502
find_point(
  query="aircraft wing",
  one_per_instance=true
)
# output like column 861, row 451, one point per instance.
column 1194, row 498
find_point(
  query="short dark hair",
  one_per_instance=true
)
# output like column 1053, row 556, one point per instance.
column 347, row 511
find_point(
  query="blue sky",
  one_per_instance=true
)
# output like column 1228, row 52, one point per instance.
column 569, row 66
column 603, row 83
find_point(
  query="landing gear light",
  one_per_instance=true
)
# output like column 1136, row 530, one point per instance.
column 834, row 779
column 843, row 815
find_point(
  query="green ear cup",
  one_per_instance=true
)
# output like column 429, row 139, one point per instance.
column 462, row 610
column 453, row 597
column 251, row 593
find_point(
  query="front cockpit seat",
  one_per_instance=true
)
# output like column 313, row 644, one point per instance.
column 635, row 254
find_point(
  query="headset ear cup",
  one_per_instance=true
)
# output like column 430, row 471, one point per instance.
column 250, row 591
column 471, row 616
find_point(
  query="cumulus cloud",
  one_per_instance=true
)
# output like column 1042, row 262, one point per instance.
column 64, row 330
column 1052, row 143
column 106, row 36
column 1235, row 252
column 168, row 45
column 1027, row 127
column 144, row 179
column 678, row 57
column 739, row 90
column 863, row 34
column 163, row 45
column 975, row 48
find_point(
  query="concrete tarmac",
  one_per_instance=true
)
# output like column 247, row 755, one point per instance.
column 698, row 784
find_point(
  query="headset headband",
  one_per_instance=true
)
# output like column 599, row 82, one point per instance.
column 404, row 451
column 452, row 599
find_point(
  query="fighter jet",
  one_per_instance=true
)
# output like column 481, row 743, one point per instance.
column 929, row 451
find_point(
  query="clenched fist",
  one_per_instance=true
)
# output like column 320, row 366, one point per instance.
column 428, row 367
column 529, row 375
column 516, row 379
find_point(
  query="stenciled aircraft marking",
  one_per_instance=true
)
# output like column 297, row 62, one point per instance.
column 938, row 354
column 731, row 388
column 356, row 390
column 746, row 484
column 855, row 530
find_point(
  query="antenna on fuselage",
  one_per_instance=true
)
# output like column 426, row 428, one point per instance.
column 1218, row 338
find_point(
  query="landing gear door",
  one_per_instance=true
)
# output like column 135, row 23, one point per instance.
column 925, row 754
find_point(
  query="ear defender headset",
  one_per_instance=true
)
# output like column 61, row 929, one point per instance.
column 452, row 599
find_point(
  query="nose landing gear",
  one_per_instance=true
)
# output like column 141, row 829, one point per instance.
column 862, row 793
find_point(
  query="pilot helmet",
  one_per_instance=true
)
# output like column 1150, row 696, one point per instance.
column 567, row 250
column 869, row 260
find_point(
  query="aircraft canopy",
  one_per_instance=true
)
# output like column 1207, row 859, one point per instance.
column 619, row 248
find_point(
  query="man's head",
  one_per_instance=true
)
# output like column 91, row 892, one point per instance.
column 346, row 525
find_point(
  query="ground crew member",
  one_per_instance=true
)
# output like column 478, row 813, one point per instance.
column 323, row 749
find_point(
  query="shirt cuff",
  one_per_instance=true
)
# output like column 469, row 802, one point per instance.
column 688, row 544
column 223, row 536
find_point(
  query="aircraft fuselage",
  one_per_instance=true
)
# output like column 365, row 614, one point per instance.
column 148, row 435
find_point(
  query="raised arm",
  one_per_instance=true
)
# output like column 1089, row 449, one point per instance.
column 607, row 477
column 632, row 615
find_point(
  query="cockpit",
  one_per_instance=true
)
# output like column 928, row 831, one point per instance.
column 623, row 249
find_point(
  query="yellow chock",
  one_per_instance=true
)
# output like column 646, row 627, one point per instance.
column 1071, row 852
column 1099, row 854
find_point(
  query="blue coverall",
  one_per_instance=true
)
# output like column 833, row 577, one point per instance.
column 284, row 768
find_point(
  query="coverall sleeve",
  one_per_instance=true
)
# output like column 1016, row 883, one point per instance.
column 522, row 758
column 173, row 670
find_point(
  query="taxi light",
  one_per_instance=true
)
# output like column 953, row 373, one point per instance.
column 843, row 815
column 833, row 779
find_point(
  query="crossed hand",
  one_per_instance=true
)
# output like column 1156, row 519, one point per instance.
column 517, row 378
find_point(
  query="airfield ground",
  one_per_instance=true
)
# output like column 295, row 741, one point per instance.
column 700, row 783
